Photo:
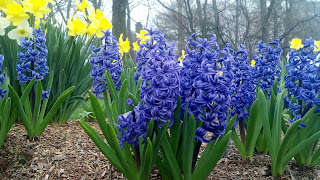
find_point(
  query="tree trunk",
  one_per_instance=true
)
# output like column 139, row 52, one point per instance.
column 180, row 31
column 237, row 24
column 119, row 18
column 264, row 20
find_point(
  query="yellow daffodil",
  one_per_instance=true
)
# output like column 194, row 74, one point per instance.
column 5, row 3
column 36, row 7
column 37, row 23
column 22, row 30
column 296, row 44
column 99, row 23
column 45, row 32
column 183, row 55
column 76, row 27
column 253, row 63
column 114, row 61
column 143, row 36
column 136, row 47
column 3, row 25
column 317, row 48
column 81, row 7
column 15, row 13
column 124, row 46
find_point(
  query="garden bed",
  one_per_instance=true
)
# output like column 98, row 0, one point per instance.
column 64, row 151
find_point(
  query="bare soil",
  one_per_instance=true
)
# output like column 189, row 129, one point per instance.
column 64, row 151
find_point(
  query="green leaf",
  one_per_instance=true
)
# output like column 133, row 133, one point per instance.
column 111, row 87
column 26, row 122
column 189, row 130
column 37, row 104
column 123, row 97
column 205, row 166
column 176, row 128
column 134, row 99
column 103, row 147
column 54, row 109
column 253, row 130
column 148, row 164
column 172, row 161
column 238, row 144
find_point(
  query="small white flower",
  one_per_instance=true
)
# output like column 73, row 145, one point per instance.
column 3, row 25
column 23, row 30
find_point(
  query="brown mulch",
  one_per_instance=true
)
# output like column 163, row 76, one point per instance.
column 64, row 151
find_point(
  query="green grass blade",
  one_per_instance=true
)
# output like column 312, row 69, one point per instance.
column 189, row 130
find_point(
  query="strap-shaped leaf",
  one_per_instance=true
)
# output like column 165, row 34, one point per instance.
column 123, row 97
column 36, row 109
column 253, row 130
column 103, row 147
column 148, row 164
column 170, row 157
column 111, row 87
column 205, row 165
column 45, row 101
column 176, row 127
column 26, row 122
column 238, row 144
column 54, row 109
column 134, row 99
column 189, row 130
column 276, row 125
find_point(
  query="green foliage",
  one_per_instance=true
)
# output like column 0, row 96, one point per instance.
column 33, row 114
column 7, row 113
column 68, row 59
column 141, row 167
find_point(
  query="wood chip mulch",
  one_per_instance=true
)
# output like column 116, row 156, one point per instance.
column 64, row 151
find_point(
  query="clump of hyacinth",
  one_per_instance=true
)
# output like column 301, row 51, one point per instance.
column 159, row 88
column 303, row 80
column 206, row 85
column 2, row 78
column 244, row 94
column 32, row 58
column 105, row 58
column 266, row 64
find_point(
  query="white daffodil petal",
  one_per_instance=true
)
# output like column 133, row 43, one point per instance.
column 13, row 34
column 23, row 23
column 4, row 23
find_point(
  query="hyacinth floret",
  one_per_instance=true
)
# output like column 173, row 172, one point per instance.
column 2, row 78
column 302, row 80
column 159, row 89
column 105, row 58
column 32, row 58
column 206, row 85
column 267, row 68
column 244, row 94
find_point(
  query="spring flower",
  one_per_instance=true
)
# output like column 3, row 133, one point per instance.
column 244, row 94
column 82, row 6
column 136, row 47
column 4, row 4
column 15, row 13
column 302, row 80
column 207, row 85
column 76, row 27
column 296, row 44
column 143, row 36
column 105, row 58
column 253, row 63
column 23, row 30
column 99, row 23
column 317, row 46
column 267, row 67
column 159, row 89
column 36, row 7
column 32, row 62
column 2, row 78
column 183, row 55
column 3, row 25
column 124, row 46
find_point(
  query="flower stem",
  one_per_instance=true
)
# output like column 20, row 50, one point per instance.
column 137, row 158
column 195, row 155
column 242, row 132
